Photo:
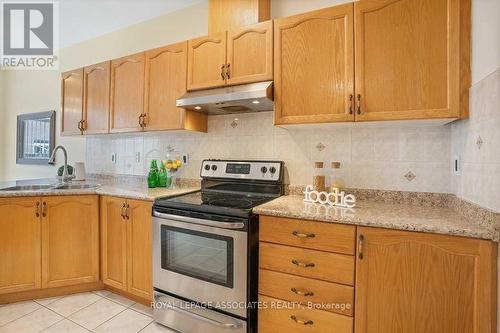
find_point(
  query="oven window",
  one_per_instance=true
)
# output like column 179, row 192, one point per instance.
column 200, row 255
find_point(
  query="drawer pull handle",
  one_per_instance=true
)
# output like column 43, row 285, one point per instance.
column 303, row 235
column 302, row 292
column 302, row 263
column 361, row 241
column 301, row 321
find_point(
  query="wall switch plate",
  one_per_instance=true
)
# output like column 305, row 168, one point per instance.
column 185, row 159
column 113, row 158
column 456, row 165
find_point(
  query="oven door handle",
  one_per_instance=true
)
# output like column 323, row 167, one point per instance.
column 224, row 225
column 205, row 319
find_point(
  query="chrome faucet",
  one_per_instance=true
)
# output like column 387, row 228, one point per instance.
column 65, row 176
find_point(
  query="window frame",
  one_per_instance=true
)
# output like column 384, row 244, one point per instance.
column 20, row 134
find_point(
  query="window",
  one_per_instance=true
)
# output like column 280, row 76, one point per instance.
column 35, row 137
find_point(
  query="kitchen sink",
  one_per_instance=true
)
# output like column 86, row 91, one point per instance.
column 50, row 187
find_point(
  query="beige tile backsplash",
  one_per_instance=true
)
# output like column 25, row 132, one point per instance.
column 376, row 158
column 479, row 180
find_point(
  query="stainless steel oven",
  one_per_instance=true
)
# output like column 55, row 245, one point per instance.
column 205, row 248
column 201, row 260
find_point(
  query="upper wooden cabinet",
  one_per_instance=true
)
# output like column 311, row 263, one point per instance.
column 126, row 250
column 165, row 81
column 239, row 56
column 20, row 244
column 72, row 102
column 70, row 240
column 127, row 94
column 231, row 14
column 313, row 71
column 413, row 282
column 96, row 84
column 412, row 59
column 207, row 61
column 250, row 54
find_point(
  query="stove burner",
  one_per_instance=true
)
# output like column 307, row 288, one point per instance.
column 231, row 203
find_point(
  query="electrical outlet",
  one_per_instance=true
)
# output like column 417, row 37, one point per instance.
column 138, row 157
column 456, row 165
column 113, row 158
column 185, row 159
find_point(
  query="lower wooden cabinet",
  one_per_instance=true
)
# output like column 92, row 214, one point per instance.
column 279, row 316
column 414, row 282
column 70, row 240
column 48, row 242
column 20, row 244
column 126, row 245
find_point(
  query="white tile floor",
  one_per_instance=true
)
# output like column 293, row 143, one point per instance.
column 99, row 311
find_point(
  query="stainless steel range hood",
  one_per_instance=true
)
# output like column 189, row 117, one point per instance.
column 251, row 97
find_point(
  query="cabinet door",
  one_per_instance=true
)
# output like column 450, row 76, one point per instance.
column 407, row 58
column 206, row 61
column 313, row 72
column 70, row 240
column 127, row 93
column 166, row 70
column 71, row 102
column 413, row 282
column 96, row 98
column 113, row 242
column 250, row 54
column 20, row 254
column 139, row 248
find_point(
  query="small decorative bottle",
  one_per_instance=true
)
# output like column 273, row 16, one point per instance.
column 335, row 179
column 318, row 177
column 162, row 176
column 153, row 175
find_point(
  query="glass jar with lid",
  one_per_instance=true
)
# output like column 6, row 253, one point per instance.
column 319, row 183
column 335, row 179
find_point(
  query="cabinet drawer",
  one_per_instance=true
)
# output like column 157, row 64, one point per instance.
column 331, row 297
column 298, row 319
column 308, row 263
column 311, row 235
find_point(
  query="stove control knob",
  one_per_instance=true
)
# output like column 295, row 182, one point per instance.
column 263, row 169
column 272, row 170
column 214, row 167
column 207, row 167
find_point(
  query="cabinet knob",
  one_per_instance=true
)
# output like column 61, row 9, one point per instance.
column 358, row 107
column 351, row 97
column 301, row 321
column 303, row 235
column 302, row 292
column 305, row 264
column 228, row 71
column 37, row 209
column 44, row 209
column 222, row 74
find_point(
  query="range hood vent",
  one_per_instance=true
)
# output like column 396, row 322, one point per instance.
column 252, row 97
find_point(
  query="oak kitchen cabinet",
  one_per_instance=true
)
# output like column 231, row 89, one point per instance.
column 307, row 263
column 165, row 81
column 314, row 66
column 227, row 15
column 243, row 55
column 96, row 89
column 48, row 242
column 126, row 245
column 71, row 102
column 127, row 94
column 410, row 60
column 414, row 282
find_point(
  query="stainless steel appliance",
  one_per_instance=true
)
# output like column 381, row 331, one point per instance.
column 252, row 97
column 205, row 248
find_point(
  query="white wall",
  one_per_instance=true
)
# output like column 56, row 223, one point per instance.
column 2, row 140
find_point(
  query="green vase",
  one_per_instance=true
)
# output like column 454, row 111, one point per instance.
column 153, row 175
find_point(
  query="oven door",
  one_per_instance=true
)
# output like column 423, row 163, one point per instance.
column 201, row 260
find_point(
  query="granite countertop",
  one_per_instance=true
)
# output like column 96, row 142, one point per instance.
column 400, row 216
column 129, row 191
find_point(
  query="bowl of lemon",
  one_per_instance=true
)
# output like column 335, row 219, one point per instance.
column 173, row 165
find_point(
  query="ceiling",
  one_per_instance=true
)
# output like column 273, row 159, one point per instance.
column 85, row 19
